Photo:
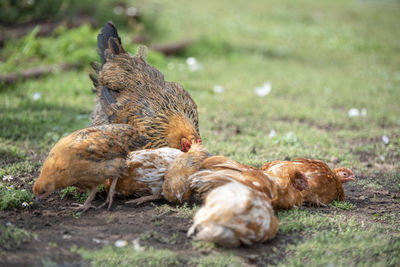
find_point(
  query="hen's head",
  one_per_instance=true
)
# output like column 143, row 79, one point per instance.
column 45, row 184
column 186, row 143
column 344, row 174
column 300, row 181
column 52, row 176
column 182, row 133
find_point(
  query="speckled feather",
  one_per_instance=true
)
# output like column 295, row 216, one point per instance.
column 145, row 172
column 163, row 112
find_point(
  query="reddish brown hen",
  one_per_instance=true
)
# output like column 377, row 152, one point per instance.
column 131, row 91
column 237, row 204
column 86, row 158
column 325, row 185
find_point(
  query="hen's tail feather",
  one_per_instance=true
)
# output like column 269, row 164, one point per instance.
column 109, row 32
column 94, row 79
column 95, row 66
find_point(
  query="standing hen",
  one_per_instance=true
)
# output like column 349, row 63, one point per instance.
column 86, row 158
column 237, row 204
column 131, row 91
column 325, row 185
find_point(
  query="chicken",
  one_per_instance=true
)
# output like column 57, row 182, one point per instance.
column 86, row 158
column 176, row 186
column 131, row 91
column 237, row 204
column 325, row 185
column 145, row 174
column 289, row 187
column 155, row 173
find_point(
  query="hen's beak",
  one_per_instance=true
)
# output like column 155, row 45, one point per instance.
column 350, row 178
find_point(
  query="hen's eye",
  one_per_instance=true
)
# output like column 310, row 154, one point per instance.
column 345, row 174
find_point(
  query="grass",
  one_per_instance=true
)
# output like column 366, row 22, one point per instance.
column 321, row 58
column 344, row 205
column 76, row 194
column 14, row 198
column 182, row 211
column 336, row 239
column 110, row 256
column 12, row 237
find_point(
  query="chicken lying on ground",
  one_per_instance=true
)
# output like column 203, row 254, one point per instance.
column 176, row 186
column 86, row 158
column 155, row 173
column 237, row 204
column 325, row 184
column 131, row 91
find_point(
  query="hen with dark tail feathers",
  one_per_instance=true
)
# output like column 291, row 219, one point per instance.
column 133, row 92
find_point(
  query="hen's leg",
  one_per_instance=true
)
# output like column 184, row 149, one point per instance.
column 88, row 203
column 110, row 195
column 142, row 200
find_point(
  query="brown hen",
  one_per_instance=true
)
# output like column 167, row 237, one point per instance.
column 325, row 185
column 131, row 91
column 86, row 158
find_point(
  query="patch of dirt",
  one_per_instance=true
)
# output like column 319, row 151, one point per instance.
column 59, row 228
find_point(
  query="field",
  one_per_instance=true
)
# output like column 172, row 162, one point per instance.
column 333, row 70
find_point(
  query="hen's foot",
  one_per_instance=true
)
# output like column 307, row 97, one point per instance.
column 142, row 200
column 83, row 207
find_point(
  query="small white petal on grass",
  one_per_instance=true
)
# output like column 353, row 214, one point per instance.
column 25, row 204
column 272, row 133
column 354, row 112
column 121, row 243
column 132, row 11
column 137, row 246
column 36, row 96
column 9, row 224
column 8, row 178
column 193, row 64
column 364, row 112
column 385, row 139
column 219, row 89
column 263, row 90
column 118, row 10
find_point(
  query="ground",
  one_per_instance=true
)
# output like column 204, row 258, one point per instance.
column 320, row 59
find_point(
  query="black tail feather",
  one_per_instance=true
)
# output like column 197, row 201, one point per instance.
column 95, row 66
column 107, row 32
column 94, row 79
